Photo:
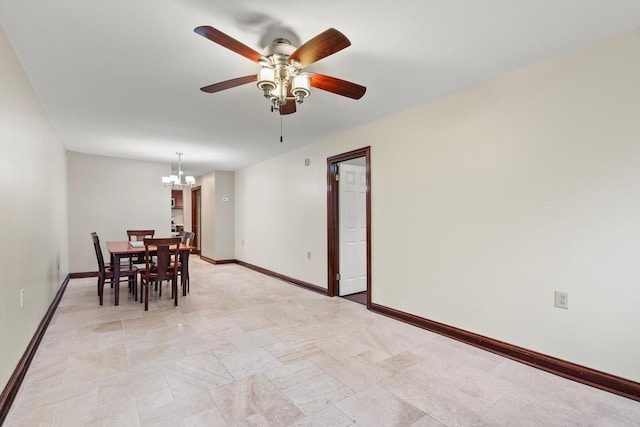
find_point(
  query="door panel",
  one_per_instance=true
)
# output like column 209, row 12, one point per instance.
column 352, row 190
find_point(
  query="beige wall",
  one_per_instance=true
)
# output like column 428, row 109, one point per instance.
column 281, row 212
column 484, row 203
column 33, row 210
column 217, row 216
column 224, row 216
column 109, row 195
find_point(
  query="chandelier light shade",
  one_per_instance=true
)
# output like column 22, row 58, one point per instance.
column 176, row 180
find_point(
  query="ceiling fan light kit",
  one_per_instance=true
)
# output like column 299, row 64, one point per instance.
column 277, row 77
column 281, row 77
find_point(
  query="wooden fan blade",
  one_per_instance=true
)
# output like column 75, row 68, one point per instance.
column 321, row 46
column 337, row 86
column 228, row 84
column 230, row 43
column 288, row 108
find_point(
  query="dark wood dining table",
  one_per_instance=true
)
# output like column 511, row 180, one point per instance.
column 121, row 250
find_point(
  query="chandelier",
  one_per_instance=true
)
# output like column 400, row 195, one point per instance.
column 279, row 79
column 176, row 180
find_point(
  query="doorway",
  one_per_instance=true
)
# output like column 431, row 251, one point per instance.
column 349, row 225
column 196, row 199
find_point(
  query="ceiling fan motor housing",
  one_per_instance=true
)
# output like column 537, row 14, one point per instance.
column 279, row 46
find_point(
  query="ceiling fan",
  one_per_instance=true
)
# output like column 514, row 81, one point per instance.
column 281, row 76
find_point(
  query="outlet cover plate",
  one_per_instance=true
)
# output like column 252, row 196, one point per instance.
column 561, row 300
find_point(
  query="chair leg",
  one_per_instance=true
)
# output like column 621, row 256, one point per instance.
column 184, row 281
column 133, row 285
column 174, row 290
column 146, row 297
column 100, row 288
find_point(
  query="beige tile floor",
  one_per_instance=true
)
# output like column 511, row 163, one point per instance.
column 244, row 349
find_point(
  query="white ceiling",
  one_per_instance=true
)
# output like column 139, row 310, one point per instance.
column 122, row 77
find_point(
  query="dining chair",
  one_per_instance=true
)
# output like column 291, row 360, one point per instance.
column 165, row 267
column 187, row 239
column 105, row 271
column 138, row 236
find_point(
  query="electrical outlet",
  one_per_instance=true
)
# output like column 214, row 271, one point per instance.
column 21, row 297
column 561, row 300
column 308, row 255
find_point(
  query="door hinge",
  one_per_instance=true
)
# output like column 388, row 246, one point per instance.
column 338, row 276
column 337, row 177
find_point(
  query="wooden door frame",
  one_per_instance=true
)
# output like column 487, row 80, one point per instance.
column 333, row 216
column 195, row 212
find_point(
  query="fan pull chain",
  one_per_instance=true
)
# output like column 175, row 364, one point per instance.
column 280, row 127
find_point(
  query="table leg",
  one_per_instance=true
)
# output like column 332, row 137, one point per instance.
column 116, row 278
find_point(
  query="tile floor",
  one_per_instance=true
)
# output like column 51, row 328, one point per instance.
column 244, row 349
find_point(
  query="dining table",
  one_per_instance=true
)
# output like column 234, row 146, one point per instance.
column 120, row 250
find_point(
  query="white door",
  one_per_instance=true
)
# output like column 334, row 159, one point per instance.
column 352, row 198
